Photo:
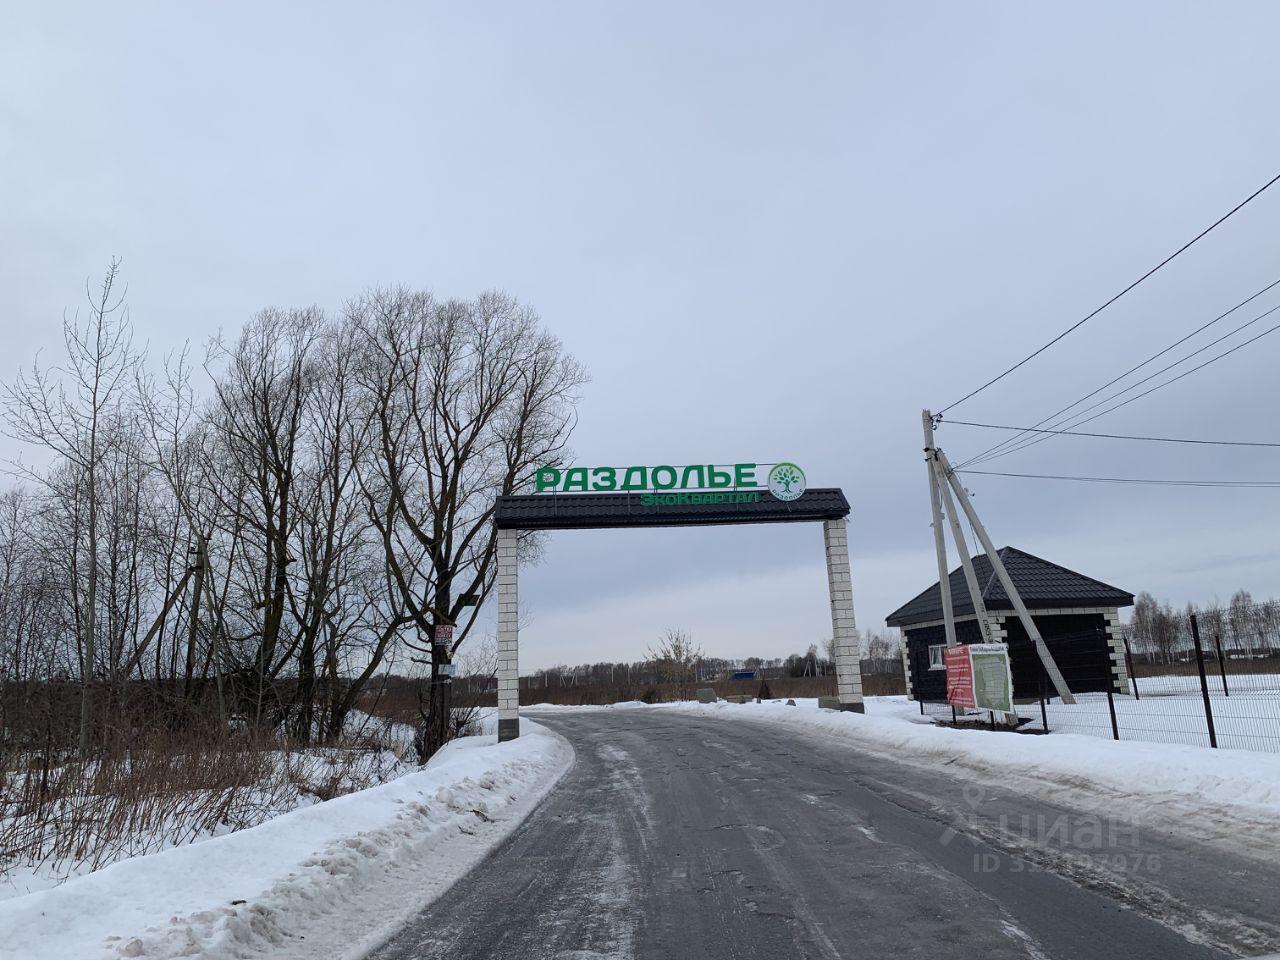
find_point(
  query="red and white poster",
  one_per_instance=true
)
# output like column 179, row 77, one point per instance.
column 959, row 676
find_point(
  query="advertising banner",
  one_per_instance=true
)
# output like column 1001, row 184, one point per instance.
column 959, row 676
column 992, row 678
column 978, row 676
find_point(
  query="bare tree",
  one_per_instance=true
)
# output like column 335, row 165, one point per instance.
column 466, row 399
column 65, row 409
column 180, row 457
column 1241, row 617
column 882, row 650
column 338, row 592
column 675, row 657
column 257, row 420
column 1153, row 628
column 1213, row 627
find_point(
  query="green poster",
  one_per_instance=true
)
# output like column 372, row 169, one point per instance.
column 992, row 683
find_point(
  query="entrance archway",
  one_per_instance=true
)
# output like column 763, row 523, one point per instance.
column 585, row 511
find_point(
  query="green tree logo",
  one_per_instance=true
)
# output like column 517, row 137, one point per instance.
column 786, row 481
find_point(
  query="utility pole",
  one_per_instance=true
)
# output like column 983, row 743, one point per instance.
column 939, row 541
column 966, row 561
column 1046, row 658
column 197, row 569
column 217, row 630
column 970, row 575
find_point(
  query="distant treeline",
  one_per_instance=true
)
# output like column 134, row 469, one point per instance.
column 1242, row 628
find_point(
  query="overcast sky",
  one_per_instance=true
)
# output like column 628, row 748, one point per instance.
column 770, row 231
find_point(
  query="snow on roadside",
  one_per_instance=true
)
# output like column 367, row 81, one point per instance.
column 332, row 880
column 293, row 780
column 1194, row 780
column 374, row 750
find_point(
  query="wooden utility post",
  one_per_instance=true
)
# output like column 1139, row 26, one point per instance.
column 1046, row 658
column 939, row 539
column 197, row 569
column 966, row 561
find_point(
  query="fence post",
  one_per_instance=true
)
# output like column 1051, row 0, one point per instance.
column 1111, row 708
column 1044, row 714
column 1128, row 659
column 1222, row 664
column 1204, row 682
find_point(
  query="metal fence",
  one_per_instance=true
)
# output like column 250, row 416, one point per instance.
column 1208, row 678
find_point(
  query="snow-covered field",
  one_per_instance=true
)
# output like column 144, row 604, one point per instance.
column 1248, row 719
column 1169, row 710
column 1195, row 785
column 331, row 880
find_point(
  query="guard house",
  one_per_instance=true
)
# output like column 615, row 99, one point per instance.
column 1078, row 617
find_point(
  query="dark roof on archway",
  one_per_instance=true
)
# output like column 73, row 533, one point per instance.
column 1041, row 584
column 578, row 511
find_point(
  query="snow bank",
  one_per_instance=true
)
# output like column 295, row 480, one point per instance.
column 287, row 780
column 329, row 880
column 1182, row 779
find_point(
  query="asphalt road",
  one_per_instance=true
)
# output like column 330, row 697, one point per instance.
column 676, row 836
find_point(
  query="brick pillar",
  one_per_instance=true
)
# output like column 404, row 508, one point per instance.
column 1115, row 640
column 906, row 665
column 844, row 632
column 508, row 637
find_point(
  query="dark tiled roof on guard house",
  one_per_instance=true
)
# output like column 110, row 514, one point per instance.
column 1041, row 584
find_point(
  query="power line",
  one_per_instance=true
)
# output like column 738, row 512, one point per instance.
column 1012, row 441
column 1079, row 419
column 1116, row 436
column 1081, row 322
column 1260, row 484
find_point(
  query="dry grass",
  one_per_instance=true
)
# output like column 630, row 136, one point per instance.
column 400, row 703
column 1236, row 667
column 160, row 788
